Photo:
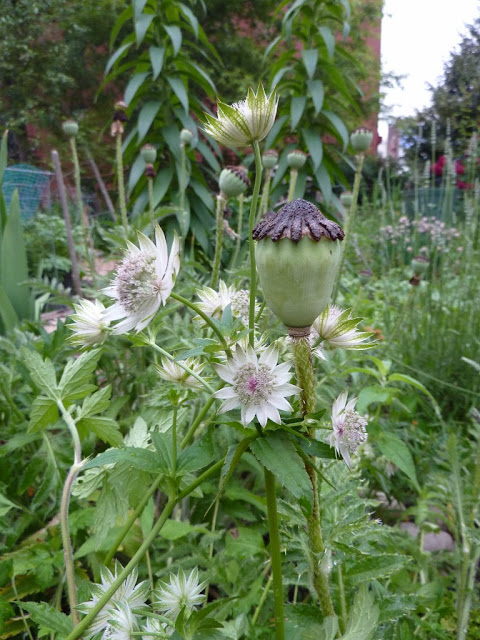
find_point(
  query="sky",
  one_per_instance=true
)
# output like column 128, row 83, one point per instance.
column 417, row 39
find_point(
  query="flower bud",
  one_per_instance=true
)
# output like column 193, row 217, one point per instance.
column 269, row 159
column 296, row 159
column 70, row 128
column 186, row 136
column 365, row 276
column 148, row 153
column 298, row 254
column 361, row 139
column 233, row 181
column 420, row 264
column 346, row 198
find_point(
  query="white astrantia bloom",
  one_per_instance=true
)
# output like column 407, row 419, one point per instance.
column 213, row 303
column 338, row 329
column 349, row 431
column 182, row 592
column 244, row 122
column 173, row 372
column 258, row 385
column 143, row 281
column 129, row 593
column 121, row 624
column 89, row 326
column 155, row 627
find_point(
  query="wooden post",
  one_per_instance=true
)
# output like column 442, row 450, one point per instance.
column 101, row 186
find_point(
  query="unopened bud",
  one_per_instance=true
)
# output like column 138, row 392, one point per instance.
column 233, row 181
column 420, row 264
column 70, row 128
column 364, row 276
column 296, row 159
column 270, row 159
column 148, row 153
column 346, row 198
column 361, row 139
column 186, row 136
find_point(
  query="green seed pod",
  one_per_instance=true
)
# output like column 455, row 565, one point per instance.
column 70, row 128
column 420, row 264
column 365, row 276
column 148, row 153
column 186, row 136
column 346, row 198
column 269, row 159
column 361, row 139
column 298, row 254
column 296, row 159
column 233, row 181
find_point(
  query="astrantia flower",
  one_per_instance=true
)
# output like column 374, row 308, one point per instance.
column 121, row 624
column 243, row 122
column 258, row 385
column 143, row 282
column 130, row 594
column 89, row 325
column 348, row 427
column 338, row 328
column 213, row 303
column 182, row 592
column 173, row 372
column 155, row 627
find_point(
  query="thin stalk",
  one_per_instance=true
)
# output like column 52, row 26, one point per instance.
column 265, row 194
column 183, row 186
column 194, row 426
column 343, row 601
column 174, row 441
column 206, row 318
column 293, row 183
column 22, row 615
column 210, row 550
column 150, row 201
column 104, row 599
column 83, row 220
column 221, row 203
column 275, row 555
column 261, row 602
column 121, row 183
column 251, row 243
column 350, row 219
column 183, row 366
column 238, row 243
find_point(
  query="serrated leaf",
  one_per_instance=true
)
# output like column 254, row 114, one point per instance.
column 74, row 381
column 142, row 459
column 244, row 543
column 96, row 403
column 164, row 446
column 104, row 428
column 157, row 56
column 41, row 371
column 197, row 456
column 49, row 617
column 368, row 568
column 44, row 411
column 396, row 451
column 318, row 449
column 176, row 529
column 363, row 618
column 278, row 455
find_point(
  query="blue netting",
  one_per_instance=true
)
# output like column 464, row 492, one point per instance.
column 32, row 184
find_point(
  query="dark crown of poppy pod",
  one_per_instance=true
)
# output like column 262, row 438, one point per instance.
column 297, row 219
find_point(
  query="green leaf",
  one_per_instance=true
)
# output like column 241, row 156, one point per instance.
column 274, row 131
column 244, row 543
column 317, row 92
column 41, row 371
column 324, row 182
column 363, row 618
column 339, row 126
column 74, row 381
column 179, row 90
column 142, row 24
column 297, row 107
column 134, row 85
column 8, row 315
column 402, row 377
column 96, row 403
column 197, row 456
column 157, row 56
column 188, row 13
column 136, row 172
column 163, row 444
column 369, row 567
column 176, row 529
column 396, row 451
column 146, row 117
column 310, row 57
column 3, row 155
column 142, row 459
column 373, row 393
column 233, row 457
column 175, row 35
column 161, row 184
column 104, row 428
column 48, row 617
column 328, row 38
column 318, row 449
column 278, row 455
column 315, row 147
column 6, row 505
column 119, row 53
column 208, row 154
column 44, row 412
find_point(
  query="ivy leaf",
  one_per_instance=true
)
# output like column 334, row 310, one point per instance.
column 278, row 455
column 74, row 381
column 48, row 617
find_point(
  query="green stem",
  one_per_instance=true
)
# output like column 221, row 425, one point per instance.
column 206, row 318
column 293, row 183
column 22, row 615
column 107, row 595
column 121, row 183
column 174, row 441
column 261, row 602
column 150, row 202
column 343, row 601
column 350, row 219
column 302, row 358
column 221, row 203
column 265, row 194
column 251, row 243
column 275, row 555
column 189, row 435
column 239, row 231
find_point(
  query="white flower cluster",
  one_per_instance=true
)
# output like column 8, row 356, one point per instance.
column 349, row 431
column 127, row 612
column 213, row 303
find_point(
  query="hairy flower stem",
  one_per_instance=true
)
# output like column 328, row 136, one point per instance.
column 150, row 201
column 221, row 203
column 239, row 231
column 265, row 195
column 107, row 595
column 81, row 215
column 293, row 183
column 251, row 242
column 350, row 219
column 302, row 358
column 121, row 183
column 275, row 555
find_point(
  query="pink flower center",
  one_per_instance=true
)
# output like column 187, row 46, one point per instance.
column 252, row 384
